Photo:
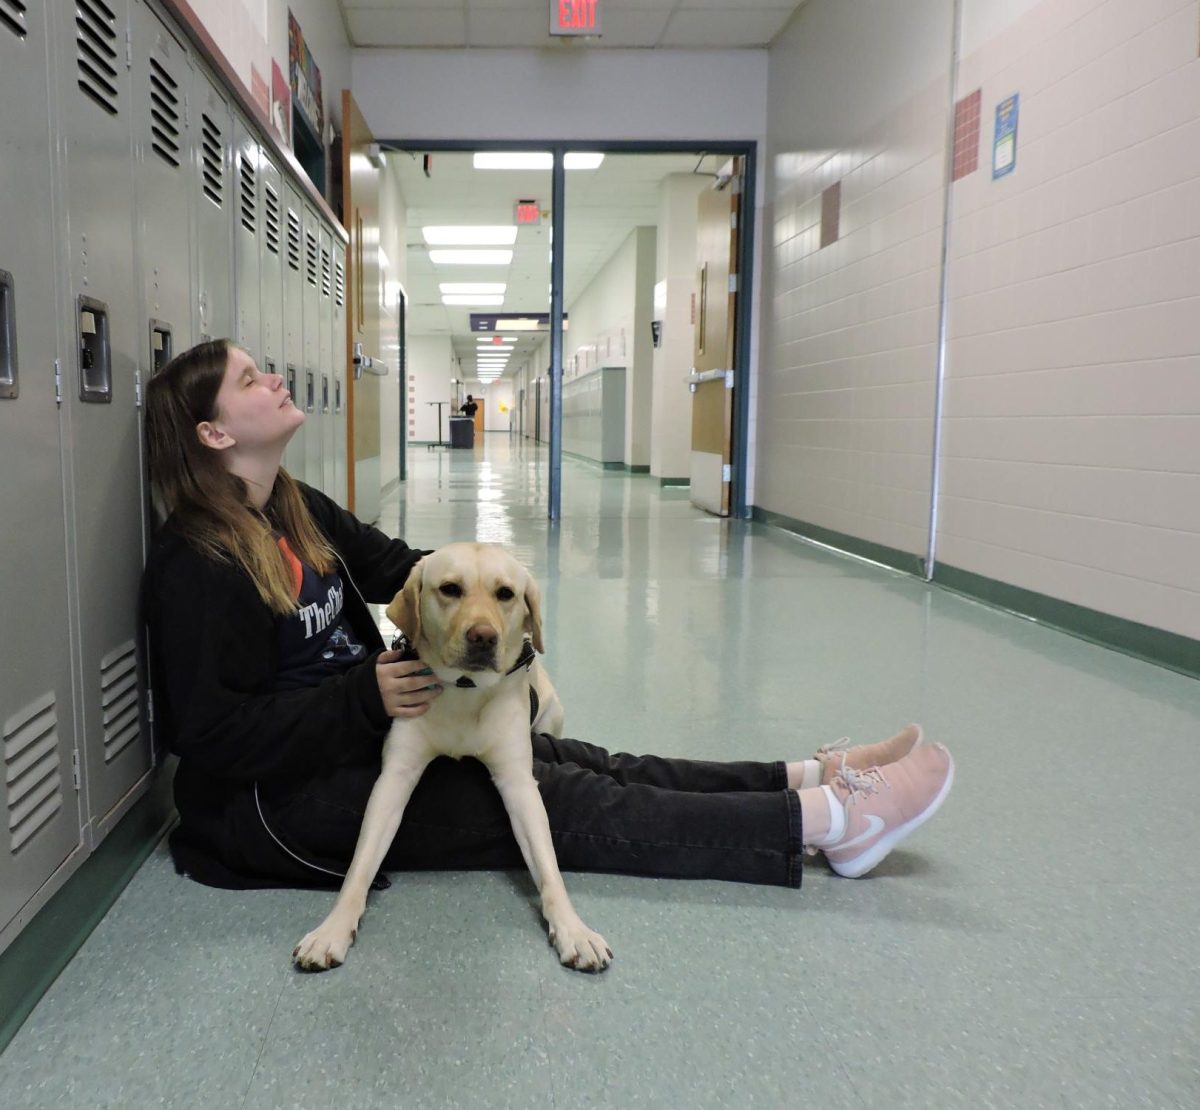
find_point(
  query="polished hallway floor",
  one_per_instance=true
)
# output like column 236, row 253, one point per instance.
column 1036, row 945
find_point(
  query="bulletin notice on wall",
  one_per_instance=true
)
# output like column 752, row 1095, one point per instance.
column 1004, row 145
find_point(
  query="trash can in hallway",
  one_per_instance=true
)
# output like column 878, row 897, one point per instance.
column 462, row 431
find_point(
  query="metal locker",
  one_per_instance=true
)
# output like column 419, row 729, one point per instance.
column 246, row 232
column 270, row 262
column 39, row 805
column 161, row 75
column 339, row 492
column 216, row 195
column 325, row 334
column 293, row 322
column 314, row 424
column 97, row 120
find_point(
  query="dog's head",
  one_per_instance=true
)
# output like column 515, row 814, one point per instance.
column 468, row 607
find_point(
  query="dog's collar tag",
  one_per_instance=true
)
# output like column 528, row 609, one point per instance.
column 404, row 646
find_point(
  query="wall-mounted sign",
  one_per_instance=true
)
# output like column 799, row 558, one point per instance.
column 305, row 77
column 527, row 213
column 1004, row 145
column 575, row 17
column 281, row 104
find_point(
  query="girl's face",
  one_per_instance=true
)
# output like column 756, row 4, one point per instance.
column 253, row 409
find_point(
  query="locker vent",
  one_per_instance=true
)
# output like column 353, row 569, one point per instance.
column 165, row 124
column 324, row 272
column 310, row 258
column 271, row 217
column 96, row 53
column 32, row 772
column 12, row 16
column 119, row 699
column 249, row 215
column 293, row 244
column 212, row 163
column 340, row 287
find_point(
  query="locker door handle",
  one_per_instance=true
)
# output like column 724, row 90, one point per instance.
column 162, row 345
column 9, row 382
column 95, row 351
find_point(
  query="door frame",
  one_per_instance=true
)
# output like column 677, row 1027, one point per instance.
column 747, row 216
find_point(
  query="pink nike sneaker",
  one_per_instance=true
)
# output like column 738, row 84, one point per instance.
column 885, row 804
column 862, row 757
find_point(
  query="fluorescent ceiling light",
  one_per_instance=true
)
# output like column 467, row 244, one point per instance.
column 534, row 160
column 493, row 347
column 495, row 235
column 581, row 160
column 496, row 339
column 471, row 299
column 472, row 286
column 470, row 258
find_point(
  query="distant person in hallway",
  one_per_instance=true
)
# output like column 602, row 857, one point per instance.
column 469, row 407
column 274, row 688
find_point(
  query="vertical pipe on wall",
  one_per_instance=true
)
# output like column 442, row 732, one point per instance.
column 557, row 191
column 943, row 298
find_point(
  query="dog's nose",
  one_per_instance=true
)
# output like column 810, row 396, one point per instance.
column 482, row 636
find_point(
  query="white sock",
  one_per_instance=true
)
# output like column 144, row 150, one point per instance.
column 837, row 822
column 812, row 774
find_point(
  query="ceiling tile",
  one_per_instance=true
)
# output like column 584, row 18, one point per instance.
column 697, row 27
column 407, row 27
column 508, row 26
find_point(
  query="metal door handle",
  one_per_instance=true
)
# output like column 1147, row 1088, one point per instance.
column 697, row 376
column 366, row 362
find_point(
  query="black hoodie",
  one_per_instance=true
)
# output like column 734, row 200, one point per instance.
column 213, row 645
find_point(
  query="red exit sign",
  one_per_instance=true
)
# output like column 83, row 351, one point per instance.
column 527, row 213
column 574, row 17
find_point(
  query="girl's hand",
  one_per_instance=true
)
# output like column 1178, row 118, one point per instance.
column 407, row 686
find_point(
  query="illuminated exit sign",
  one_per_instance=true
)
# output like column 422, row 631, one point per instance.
column 574, row 17
column 527, row 213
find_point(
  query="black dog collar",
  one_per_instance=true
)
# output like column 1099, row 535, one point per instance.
column 403, row 645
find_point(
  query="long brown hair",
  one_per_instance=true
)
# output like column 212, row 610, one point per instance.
column 207, row 504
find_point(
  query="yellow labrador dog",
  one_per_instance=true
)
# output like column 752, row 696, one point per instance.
column 471, row 611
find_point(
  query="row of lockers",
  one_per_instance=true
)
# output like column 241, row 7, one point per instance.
column 139, row 212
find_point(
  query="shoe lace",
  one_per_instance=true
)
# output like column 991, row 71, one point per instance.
column 860, row 783
column 842, row 745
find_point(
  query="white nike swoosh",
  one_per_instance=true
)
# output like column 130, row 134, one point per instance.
column 874, row 825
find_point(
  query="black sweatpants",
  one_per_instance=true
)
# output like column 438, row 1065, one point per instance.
column 640, row 815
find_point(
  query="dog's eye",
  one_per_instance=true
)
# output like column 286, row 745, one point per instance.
column 505, row 594
column 450, row 589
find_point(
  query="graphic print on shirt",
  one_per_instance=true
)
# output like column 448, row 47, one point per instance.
column 316, row 641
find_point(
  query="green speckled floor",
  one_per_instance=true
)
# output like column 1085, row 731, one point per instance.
column 1036, row 945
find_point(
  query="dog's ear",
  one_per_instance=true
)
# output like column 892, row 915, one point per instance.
column 533, row 614
column 405, row 609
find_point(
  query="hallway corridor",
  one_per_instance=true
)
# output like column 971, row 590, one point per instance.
column 1035, row 945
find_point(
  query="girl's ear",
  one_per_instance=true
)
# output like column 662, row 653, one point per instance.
column 405, row 609
column 533, row 614
column 212, row 436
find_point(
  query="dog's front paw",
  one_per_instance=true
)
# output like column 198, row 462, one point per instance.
column 580, row 947
column 324, row 948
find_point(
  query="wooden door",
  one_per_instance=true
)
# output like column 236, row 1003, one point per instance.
column 360, row 208
column 712, row 379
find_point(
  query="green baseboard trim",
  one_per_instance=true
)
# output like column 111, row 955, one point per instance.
column 595, row 462
column 639, row 468
column 56, row 932
column 1152, row 645
column 876, row 552
column 674, row 481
